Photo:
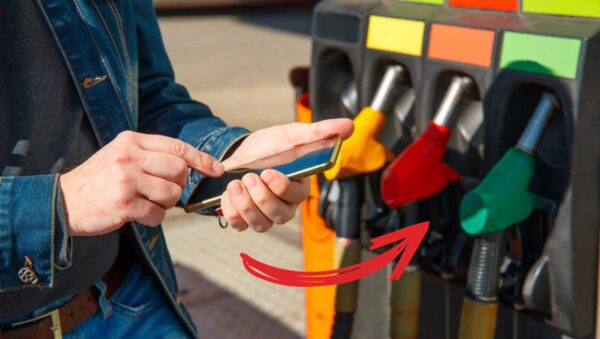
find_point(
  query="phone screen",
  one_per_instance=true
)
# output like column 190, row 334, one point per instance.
column 295, row 163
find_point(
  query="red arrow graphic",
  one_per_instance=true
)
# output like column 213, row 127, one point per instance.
column 408, row 238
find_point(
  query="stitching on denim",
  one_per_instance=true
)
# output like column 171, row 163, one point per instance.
column 111, row 76
column 112, row 39
column 132, row 101
column 72, row 72
column 121, row 26
column 136, row 311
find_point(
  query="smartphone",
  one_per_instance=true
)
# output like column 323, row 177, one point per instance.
column 296, row 163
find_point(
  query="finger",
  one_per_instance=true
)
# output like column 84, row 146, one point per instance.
column 242, row 202
column 293, row 192
column 160, row 191
column 146, row 212
column 307, row 133
column 234, row 219
column 197, row 160
column 268, row 203
column 165, row 166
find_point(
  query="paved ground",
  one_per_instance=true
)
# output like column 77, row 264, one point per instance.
column 238, row 63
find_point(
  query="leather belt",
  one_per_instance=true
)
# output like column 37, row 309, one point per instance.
column 72, row 314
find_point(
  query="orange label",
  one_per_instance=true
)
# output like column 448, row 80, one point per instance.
column 460, row 44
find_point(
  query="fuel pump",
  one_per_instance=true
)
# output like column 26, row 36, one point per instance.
column 501, row 200
column 417, row 174
column 362, row 153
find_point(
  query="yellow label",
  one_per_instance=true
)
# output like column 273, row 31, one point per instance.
column 396, row 35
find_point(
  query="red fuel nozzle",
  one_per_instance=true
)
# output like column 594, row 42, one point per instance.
column 419, row 172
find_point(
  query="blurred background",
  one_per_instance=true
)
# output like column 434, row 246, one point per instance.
column 236, row 60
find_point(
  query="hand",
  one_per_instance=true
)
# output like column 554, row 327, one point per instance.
column 271, row 198
column 136, row 177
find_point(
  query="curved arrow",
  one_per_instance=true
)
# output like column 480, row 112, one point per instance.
column 408, row 238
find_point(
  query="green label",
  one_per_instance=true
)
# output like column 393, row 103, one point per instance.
column 587, row 8
column 541, row 54
column 431, row 2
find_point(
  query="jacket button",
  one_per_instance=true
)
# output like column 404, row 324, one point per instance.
column 27, row 275
column 93, row 81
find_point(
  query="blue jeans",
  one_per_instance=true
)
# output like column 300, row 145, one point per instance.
column 136, row 310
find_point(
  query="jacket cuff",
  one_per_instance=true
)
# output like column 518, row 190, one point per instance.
column 216, row 144
column 27, row 231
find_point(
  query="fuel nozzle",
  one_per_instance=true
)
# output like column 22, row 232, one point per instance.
column 419, row 172
column 503, row 199
column 362, row 152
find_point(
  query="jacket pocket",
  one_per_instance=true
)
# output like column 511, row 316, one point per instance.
column 137, row 295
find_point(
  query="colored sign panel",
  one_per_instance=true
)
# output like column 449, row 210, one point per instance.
column 460, row 44
column 541, row 54
column 587, row 8
column 431, row 2
column 396, row 35
column 337, row 27
column 495, row 5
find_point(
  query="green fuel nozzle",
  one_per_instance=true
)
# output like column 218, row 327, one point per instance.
column 503, row 199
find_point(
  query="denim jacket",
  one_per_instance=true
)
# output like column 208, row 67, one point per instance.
column 115, row 55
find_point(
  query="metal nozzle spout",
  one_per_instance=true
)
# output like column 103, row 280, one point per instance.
column 542, row 115
column 392, row 75
column 459, row 85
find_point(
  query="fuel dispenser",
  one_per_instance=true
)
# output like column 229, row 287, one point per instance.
column 361, row 154
column 395, row 36
column 500, row 201
column 416, row 174
column 535, row 253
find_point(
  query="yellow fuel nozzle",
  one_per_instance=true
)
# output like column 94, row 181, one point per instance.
column 362, row 152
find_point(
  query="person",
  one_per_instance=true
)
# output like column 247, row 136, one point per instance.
column 97, row 141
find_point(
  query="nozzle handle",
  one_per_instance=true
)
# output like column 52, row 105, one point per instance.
column 533, row 132
column 459, row 85
column 393, row 74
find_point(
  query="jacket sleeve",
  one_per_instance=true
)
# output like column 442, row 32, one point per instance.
column 165, row 107
column 27, row 231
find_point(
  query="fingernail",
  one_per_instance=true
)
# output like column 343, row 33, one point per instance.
column 236, row 188
column 249, row 181
column 217, row 167
column 268, row 176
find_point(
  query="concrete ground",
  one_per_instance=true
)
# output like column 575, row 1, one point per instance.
column 238, row 63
